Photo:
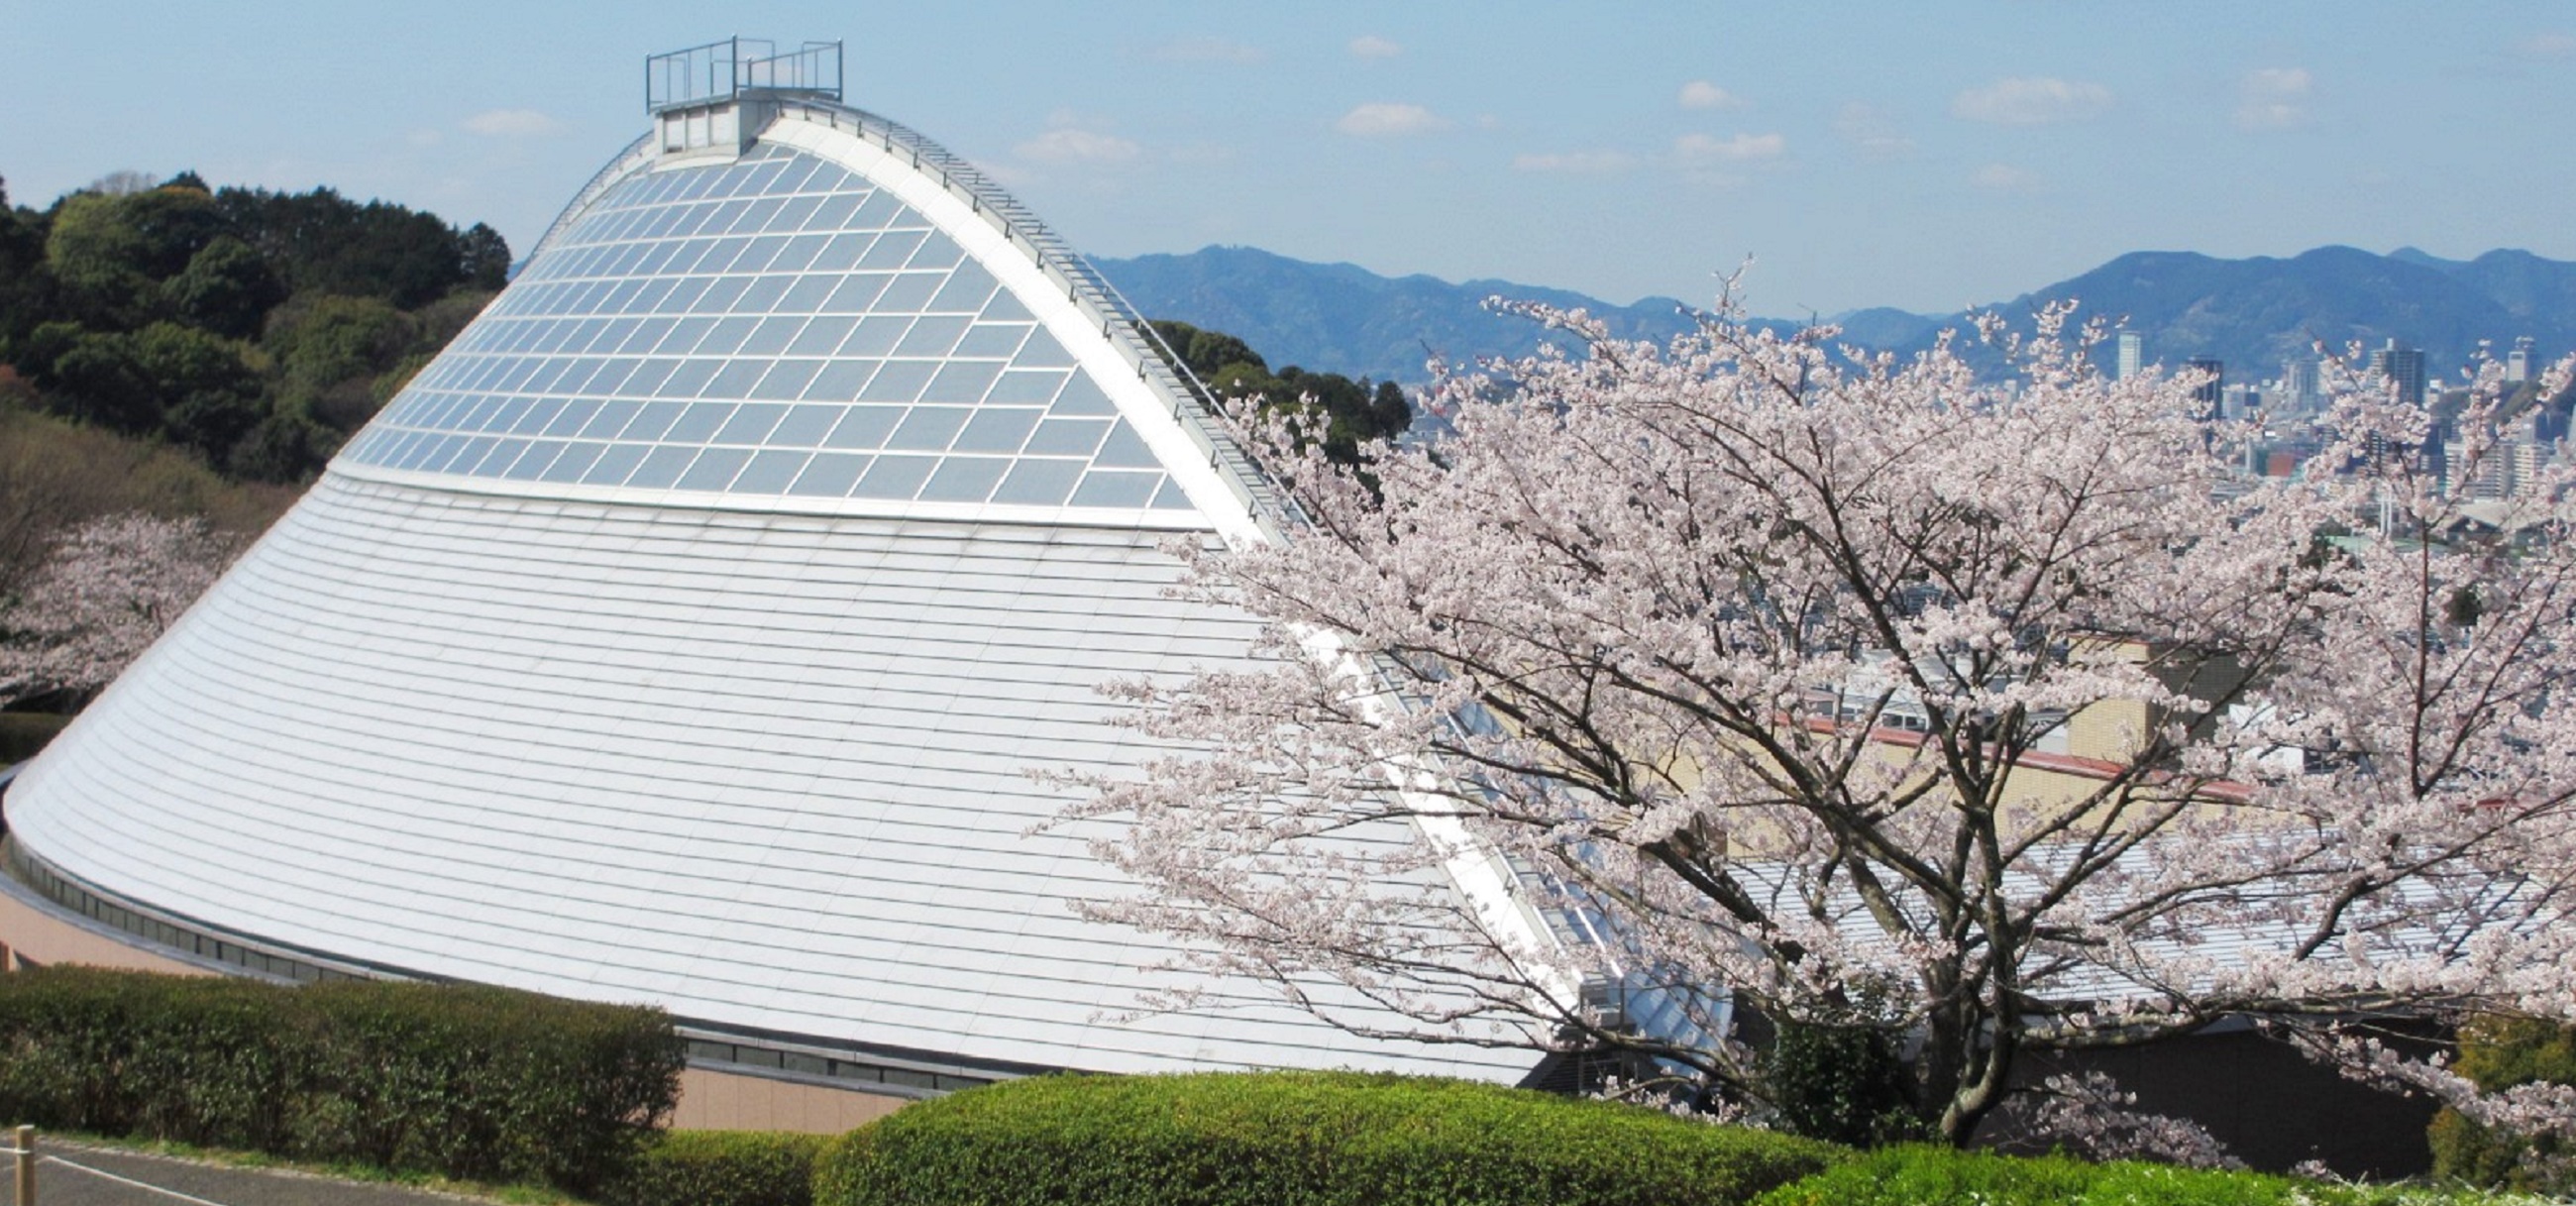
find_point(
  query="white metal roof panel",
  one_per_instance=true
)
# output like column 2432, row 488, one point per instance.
column 559, row 747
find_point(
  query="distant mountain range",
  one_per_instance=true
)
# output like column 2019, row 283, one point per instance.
column 1343, row 318
column 2253, row 313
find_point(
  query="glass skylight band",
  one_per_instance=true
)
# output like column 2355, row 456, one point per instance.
column 668, row 334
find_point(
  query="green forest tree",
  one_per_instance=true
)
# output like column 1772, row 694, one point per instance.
column 255, row 329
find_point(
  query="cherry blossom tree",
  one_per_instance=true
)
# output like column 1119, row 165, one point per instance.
column 2001, row 716
column 106, row 591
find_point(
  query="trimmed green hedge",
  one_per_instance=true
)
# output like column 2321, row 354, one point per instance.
column 1296, row 1139
column 1939, row 1176
column 720, row 1168
column 473, row 1083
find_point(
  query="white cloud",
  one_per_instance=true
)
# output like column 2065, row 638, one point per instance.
column 1371, row 46
column 1701, row 94
column 1872, row 132
column 1073, row 145
column 424, row 138
column 2005, row 178
column 1204, row 50
column 1381, row 119
column 1743, row 148
column 2031, row 101
column 1575, row 162
column 2273, row 98
column 512, row 123
column 2551, row 45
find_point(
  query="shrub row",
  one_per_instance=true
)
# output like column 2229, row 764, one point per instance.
column 468, row 1082
column 1296, row 1139
column 719, row 1168
column 1938, row 1176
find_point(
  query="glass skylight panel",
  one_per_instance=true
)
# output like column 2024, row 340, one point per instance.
column 1039, row 482
column 1042, row 351
column 823, row 336
column 1020, row 388
column 614, row 465
column 928, row 428
column 1082, row 396
column 714, row 469
column 775, row 327
column 1126, row 450
column 894, row 478
column 661, row 467
column 840, row 380
column 892, row 249
column 575, row 461
column 804, row 426
column 1068, row 437
column 998, row 340
column 964, row 479
column 961, row 381
column 1105, row 488
column 993, row 429
column 751, row 423
column 937, row 251
column 770, row 472
column 899, row 381
column 865, row 427
column 932, row 336
column 786, row 379
column 829, row 475
column 908, row 292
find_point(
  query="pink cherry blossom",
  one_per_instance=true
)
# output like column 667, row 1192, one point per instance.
column 106, row 592
column 1770, row 676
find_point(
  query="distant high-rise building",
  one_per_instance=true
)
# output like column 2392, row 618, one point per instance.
column 2211, row 393
column 2299, row 383
column 2403, row 367
column 2517, row 363
column 2132, row 354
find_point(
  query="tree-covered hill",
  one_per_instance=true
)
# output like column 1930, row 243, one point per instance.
column 253, row 329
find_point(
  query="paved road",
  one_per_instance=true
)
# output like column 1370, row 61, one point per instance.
column 86, row 1176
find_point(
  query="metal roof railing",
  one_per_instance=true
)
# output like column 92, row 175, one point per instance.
column 738, row 66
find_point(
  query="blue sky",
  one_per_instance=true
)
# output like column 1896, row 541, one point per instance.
column 1894, row 152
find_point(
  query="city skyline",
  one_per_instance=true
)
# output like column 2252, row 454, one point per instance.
column 1918, row 159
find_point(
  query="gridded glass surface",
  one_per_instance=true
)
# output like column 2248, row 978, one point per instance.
column 777, row 327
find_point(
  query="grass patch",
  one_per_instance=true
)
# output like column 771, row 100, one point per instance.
column 1940, row 1176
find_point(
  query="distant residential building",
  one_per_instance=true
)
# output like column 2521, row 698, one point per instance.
column 2132, row 354
column 2517, row 363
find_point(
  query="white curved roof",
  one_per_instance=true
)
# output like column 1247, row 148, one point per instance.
column 685, row 631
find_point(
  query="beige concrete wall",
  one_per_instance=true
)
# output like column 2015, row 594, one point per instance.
column 725, row 1101
column 33, row 936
